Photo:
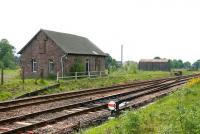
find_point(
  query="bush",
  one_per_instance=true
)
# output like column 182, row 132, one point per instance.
column 130, row 67
column 131, row 123
column 77, row 67
column 52, row 76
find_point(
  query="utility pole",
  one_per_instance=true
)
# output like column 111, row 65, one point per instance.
column 121, row 54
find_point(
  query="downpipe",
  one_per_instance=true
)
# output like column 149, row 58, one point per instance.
column 62, row 65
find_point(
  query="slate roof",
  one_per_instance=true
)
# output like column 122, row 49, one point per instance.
column 72, row 44
column 154, row 60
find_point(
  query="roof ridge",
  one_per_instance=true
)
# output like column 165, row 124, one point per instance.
column 61, row 33
column 154, row 60
column 70, row 43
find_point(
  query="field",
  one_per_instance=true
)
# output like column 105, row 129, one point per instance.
column 14, row 87
column 178, row 113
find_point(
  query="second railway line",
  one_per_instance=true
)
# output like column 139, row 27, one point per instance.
column 66, row 103
column 48, row 116
column 31, row 101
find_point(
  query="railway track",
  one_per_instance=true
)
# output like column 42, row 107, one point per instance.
column 12, row 124
column 30, row 101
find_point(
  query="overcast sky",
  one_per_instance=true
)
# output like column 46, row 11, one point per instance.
column 146, row 28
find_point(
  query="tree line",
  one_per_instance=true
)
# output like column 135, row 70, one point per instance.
column 113, row 64
column 9, row 60
column 7, row 57
column 179, row 64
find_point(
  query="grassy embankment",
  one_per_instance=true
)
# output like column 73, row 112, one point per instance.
column 116, row 77
column 178, row 113
column 13, row 86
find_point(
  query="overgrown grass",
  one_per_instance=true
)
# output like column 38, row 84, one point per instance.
column 114, row 78
column 178, row 113
column 10, row 75
column 14, row 87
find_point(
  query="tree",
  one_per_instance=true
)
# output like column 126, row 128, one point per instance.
column 6, row 56
column 180, row 64
column 17, row 60
column 196, row 64
column 157, row 57
column 111, row 63
column 173, row 63
column 187, row 65
column 176, row 64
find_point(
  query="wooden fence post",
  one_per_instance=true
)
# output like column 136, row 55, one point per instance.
column 23, row 77
column 57, row 79
column 89, row 74
column 76, row 75
column 2, row 81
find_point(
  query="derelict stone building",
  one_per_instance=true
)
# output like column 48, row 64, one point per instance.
column 154, row 65
column 51, row 52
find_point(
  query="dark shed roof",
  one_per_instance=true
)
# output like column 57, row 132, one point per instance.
column 154, row 60
column 72, row 44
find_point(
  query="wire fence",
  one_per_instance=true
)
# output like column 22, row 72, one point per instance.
column 76, row 75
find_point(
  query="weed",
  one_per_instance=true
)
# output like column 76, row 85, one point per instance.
column 176, row 113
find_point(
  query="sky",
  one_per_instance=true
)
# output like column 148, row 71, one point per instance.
column 146, row 28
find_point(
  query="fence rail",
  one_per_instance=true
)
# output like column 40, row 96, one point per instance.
column 76, row 75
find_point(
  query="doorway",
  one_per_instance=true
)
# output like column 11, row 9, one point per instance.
column 87, row 65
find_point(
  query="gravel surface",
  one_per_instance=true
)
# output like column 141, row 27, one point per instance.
column 47, row 116
column 67, row 124
column 86, row 119
column 37, row 108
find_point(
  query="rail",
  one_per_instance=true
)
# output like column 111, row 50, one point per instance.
column 92, row 105
column 127, row 96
